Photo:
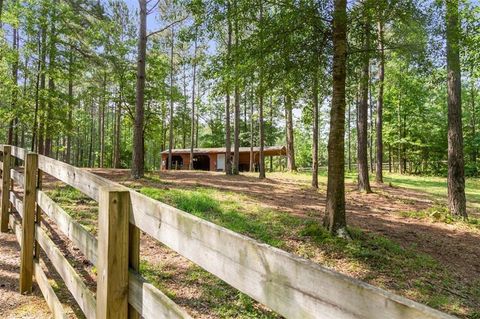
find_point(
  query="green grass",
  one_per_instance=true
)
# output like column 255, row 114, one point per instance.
column 228, row 210
column 81, row 207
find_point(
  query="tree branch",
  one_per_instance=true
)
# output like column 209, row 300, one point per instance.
column 167, row 27
column 153, row 7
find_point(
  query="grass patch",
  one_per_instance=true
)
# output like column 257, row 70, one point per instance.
column 226, row 209
column 81, row 207
column 440, row 213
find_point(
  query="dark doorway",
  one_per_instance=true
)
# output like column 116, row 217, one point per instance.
column 177, row 162
column 201, row 162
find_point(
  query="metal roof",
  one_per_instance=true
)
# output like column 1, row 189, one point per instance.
column 223, row 150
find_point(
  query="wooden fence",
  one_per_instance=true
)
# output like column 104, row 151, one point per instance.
column 291, row 286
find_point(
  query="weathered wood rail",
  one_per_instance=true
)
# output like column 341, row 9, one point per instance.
column 291, row 286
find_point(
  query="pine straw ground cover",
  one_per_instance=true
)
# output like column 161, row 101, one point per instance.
column 373, row 255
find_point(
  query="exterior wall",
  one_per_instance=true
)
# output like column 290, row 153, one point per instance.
column 213, row 162
column 244, row 160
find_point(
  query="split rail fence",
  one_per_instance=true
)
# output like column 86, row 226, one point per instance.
column 291, row 286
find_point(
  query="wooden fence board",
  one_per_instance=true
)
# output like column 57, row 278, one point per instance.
column 17, row 177
column 19, row 152
column 17, row 203
column 150, row 302
column 15, row 225
column 84, row 297
column 81, row 179
column 50, row 297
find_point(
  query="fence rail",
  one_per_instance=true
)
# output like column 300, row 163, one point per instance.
column 291, row 286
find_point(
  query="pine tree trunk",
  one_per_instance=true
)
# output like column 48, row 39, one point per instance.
column 170, row 135
column 52, row 55
column 70, row 109
column 290, row 139
column 192, row 134
column 236, row 116
column 102, row 121
column 261, row 156
column 349, row 136
column 185, row 102
column 138, row 154
column 335, row 219
column 118, row 130
column 381, row 79
column 315, row 133
column 252, row 139
column 362, row 136
column 473, row 121
column 456, row 178
column 228, row 138
column 12, row 129
column 41, row 126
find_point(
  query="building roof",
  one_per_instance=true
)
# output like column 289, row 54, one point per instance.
column 214, row 150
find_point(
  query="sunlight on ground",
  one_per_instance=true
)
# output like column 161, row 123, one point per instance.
column 432, row 185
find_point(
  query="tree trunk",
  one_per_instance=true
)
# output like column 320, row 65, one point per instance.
column 51, row 85
column 138, row 154
column 118, row 130
column 70, row 109
column 12, row 129
column 381, row 79
column 102, row 121
column 456, row 178
column 473, row 121
column 261, row 156
column 185, row 102
column 41, row 126
column 349, row 136
column 362, row 136
column 335, row 219
column 192, row 134
column 290, row 138
column 236, row 117
column 228, row 138
column 252, row 140
column 170, row 136
column 34, row 145
column 315, row 133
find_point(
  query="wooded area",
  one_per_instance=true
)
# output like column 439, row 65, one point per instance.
column 241, row 73
column 364, row 87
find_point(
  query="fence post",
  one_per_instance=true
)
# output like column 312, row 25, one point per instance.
column 5, row 198
column 28, row 222
column 113, row 258
column 134, row 260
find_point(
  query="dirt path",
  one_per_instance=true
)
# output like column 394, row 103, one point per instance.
column 454, row 247
column 12, row 303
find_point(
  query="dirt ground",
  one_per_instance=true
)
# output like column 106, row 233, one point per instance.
column 12, row 303
column 456, row 248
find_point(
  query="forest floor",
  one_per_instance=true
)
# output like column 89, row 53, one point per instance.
column 403, row 238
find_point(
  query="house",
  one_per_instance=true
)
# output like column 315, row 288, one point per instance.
column 213, row 159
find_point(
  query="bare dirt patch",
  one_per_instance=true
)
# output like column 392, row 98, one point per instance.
column 456, row 248
column 12, row 303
